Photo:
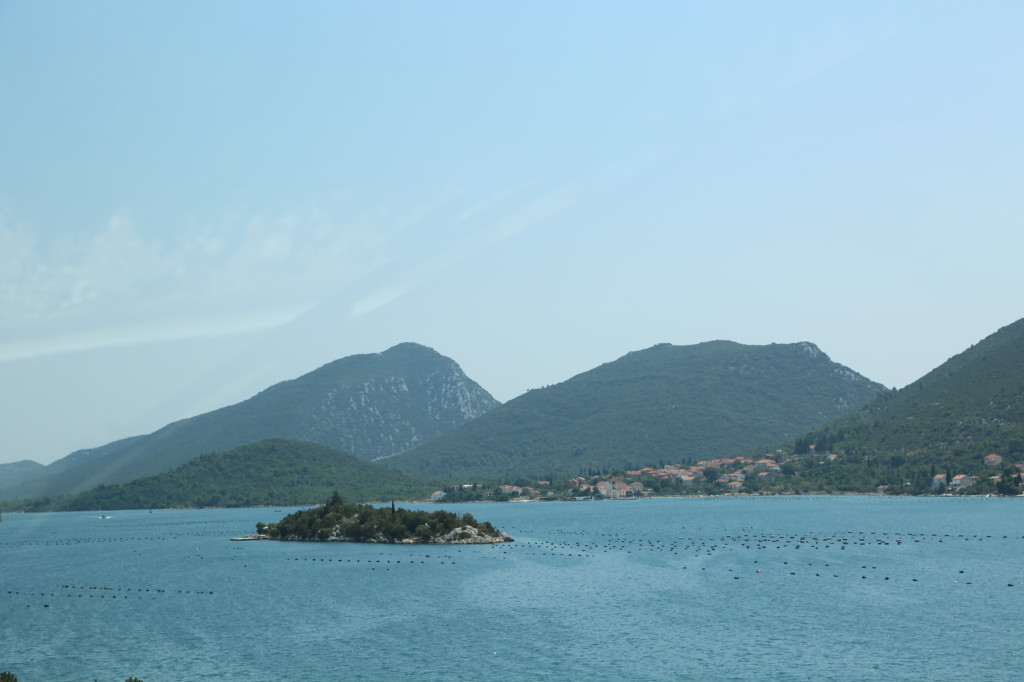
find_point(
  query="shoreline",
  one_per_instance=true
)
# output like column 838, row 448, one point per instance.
column 605, row 499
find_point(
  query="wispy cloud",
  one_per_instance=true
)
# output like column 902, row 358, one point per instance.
column 123, row 286
column 487, row 202
column 123, row 335
column 490, row 225
column 491, row 233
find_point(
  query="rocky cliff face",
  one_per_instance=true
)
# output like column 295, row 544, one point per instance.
column 387, row 414
column 468, row 535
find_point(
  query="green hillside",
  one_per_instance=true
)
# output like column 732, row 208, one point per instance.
column 664, row 404
column 270, row 472
column 947, row 421
column 368, row 405
column 16, row 472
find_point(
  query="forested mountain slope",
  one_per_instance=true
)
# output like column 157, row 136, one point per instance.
column 271, row 472
column 949, row 420
column 663, row 404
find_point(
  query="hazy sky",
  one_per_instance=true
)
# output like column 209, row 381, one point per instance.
column 198, row 200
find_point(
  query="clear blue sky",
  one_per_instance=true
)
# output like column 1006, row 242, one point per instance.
column 198, row 199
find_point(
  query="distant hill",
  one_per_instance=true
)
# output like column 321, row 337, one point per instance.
column 16, row 472
column 369, row 405
column 970, row 406
column 664, row 404
column 271, row 472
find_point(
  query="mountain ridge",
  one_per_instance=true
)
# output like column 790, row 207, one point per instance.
column 368, row 405
column 661, row 403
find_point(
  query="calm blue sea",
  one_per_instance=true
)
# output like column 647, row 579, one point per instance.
column 782, row 588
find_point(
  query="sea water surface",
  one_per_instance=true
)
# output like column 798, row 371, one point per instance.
column 784, row 588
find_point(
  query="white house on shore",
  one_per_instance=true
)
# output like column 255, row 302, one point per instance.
column 960, row 481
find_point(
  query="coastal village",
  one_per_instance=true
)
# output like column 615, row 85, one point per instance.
column 737, row 476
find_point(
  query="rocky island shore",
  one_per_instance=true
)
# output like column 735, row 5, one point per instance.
column 340, row 521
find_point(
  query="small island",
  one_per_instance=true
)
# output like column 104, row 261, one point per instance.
column 340, row 521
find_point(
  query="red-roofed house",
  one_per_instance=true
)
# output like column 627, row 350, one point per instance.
column 993, row 460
